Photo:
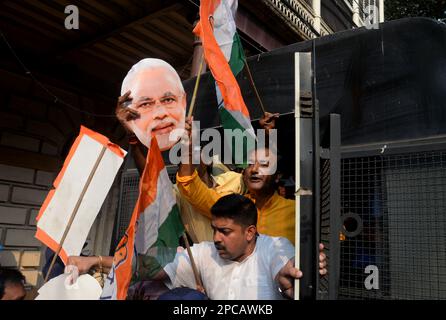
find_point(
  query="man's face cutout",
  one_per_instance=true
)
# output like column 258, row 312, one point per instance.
column 161, row 103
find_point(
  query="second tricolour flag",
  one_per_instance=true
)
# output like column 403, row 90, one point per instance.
column 224, row 55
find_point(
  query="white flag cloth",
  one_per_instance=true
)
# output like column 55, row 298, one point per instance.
column 80, row 187
column 85, row 288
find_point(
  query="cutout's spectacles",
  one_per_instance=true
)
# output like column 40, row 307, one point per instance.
column 168, row 101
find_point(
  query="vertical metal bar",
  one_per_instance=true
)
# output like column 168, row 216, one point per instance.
column 316, row 170
column 335, row 205
column 305, row 254
column 297, row 169
column 381, row 11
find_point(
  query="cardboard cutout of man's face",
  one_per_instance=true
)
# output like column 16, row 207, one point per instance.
column 161, row 103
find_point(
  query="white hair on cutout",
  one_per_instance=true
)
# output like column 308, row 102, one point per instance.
column 145, row 64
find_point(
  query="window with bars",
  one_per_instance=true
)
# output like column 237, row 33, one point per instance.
column 394, row 217
column 127, row 200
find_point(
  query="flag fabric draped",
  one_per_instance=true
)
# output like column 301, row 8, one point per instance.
column 225, row 57
column 153, row 232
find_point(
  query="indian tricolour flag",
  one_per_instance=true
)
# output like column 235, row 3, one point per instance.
column 153, row 232
column 225, row 57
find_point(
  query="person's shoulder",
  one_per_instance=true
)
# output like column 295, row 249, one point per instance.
column 203, row 251
column 229, row 180
column 265, row 241
column 283, row 202
column 272, row 248
column 203, row 246
column 230, row 174
column 268, row 242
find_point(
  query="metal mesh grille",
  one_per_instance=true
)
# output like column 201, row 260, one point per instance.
column 129, row 196
column 394, row 217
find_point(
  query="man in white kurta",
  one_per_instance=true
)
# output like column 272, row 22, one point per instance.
column 253, row 278
column 239, row 264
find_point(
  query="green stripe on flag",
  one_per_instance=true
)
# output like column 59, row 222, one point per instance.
column 237, row 60
column 229, row 122
column 166, row 245
column 171, row 229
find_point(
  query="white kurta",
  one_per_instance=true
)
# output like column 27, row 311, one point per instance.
column 251, row 279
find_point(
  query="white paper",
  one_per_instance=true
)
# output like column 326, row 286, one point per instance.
column 85, row 288
column 56, row 216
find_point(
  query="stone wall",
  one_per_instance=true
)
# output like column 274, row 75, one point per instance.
column 35, row 136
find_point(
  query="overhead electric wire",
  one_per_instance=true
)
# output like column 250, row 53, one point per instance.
column 56, row 99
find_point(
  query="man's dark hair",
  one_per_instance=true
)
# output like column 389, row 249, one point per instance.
column 9, row 276
column 236, row 207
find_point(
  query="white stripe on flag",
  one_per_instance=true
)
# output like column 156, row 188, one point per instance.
column 224, row 27
column 155, row 214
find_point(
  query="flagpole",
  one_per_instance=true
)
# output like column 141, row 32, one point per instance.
column 192, row 261
column 76, row 208
column 197, row 82
column 198, row 282
column 253, row 85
